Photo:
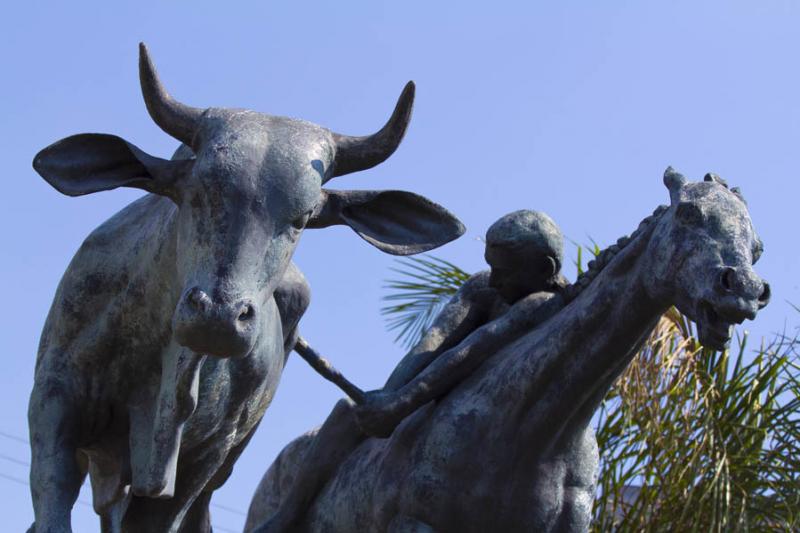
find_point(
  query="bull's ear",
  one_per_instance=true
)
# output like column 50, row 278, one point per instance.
column 92, row 162
column 395, row 222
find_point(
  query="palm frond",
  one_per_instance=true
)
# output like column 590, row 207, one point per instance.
column 708, row 441
column 426, row 285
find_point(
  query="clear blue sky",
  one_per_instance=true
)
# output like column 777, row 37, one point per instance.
column 570, row 108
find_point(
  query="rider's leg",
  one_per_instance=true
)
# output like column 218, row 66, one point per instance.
column 338, row 436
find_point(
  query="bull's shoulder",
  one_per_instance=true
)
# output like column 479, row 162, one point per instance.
column 137, row 233
column 293, row 294
column 126, row 232
column 292, row 298
column 116, row 261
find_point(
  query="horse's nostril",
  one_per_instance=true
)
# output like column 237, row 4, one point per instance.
column 726, row 278
column 247, row 313
column 765, row 294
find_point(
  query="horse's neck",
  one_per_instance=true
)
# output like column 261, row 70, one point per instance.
column 559, row 373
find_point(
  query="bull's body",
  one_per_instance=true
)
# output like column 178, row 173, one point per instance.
column 170, row 328
column 122, row 283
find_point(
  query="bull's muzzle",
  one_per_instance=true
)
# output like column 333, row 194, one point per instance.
column 218, row 328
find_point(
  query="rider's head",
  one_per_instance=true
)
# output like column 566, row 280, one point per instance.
column 524, row 250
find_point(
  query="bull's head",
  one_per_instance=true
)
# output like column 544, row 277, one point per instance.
column 246, row 187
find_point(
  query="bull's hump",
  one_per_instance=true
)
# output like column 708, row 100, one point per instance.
column 139, row 219
column 109, row 264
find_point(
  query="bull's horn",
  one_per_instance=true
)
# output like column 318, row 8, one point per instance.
column 173, row 117
column 360, row 153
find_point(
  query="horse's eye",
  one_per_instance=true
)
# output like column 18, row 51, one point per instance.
column 689, row 213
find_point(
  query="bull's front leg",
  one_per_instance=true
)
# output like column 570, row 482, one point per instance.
column 56, row 475
column 156, row 430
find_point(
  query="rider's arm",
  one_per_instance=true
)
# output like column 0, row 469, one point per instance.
column 465, row 312
column 455, row 364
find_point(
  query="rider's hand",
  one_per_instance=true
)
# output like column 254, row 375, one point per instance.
column 378, row 414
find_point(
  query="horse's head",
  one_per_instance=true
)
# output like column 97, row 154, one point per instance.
column 701, row 257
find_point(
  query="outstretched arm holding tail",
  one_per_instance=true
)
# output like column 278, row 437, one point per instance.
column 385, row 409
column 468, row 309
column 340, row 433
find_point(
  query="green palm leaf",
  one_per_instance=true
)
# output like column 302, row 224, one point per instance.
column 427, row 284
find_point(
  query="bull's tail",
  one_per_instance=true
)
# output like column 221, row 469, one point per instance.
column 327, row 370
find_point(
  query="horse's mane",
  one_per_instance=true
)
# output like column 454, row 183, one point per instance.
column 603, row 258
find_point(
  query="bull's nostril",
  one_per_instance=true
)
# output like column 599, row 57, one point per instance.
column 726, row 278
column 247, row 313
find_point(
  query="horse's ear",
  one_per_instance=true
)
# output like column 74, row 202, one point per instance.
column 674, row 181
column 395, row 222
column 716, row 179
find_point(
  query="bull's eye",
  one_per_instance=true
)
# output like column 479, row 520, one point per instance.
column 301, row 221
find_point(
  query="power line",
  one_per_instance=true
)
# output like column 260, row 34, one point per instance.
column 25, row 463
column 229, row 509
column 21, row 481
column 217, row 505
column 14, row 479
column 13, row 460
column 13, row 437
column 220, row 528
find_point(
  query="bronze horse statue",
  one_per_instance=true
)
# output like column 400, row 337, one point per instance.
column 511, row 448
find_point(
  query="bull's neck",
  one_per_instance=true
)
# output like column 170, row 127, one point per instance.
column 584, row 349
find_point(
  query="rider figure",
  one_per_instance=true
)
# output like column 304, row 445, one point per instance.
column 492, row 308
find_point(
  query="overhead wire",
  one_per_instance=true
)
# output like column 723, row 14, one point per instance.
column 26, row 463
column 24, row 482
column 21, row 481
column 13, row 460
column 13, row 437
